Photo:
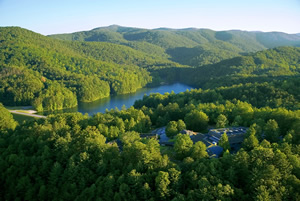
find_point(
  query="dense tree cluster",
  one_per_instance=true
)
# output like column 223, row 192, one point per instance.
column 55, row 97
column 6, row 120
column 75, row 157
column 72, row 156
column 67, row 157
column 174, row 127
column 275, row 94
column 19, row 86
column 30, row 62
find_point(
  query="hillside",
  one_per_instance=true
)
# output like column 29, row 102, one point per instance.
column 52, row 74
column 277, row 63
column 274, row 94
column 34, row 67
column 208, row 46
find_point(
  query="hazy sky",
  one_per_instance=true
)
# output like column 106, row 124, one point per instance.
column 64, row 16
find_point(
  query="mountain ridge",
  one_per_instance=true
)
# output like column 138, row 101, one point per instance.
column 171, row 41
column 116, row 26
column 113, row 62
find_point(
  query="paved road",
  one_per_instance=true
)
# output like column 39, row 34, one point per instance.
column 27, row 114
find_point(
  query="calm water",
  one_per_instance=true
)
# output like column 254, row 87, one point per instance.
column 126, row 99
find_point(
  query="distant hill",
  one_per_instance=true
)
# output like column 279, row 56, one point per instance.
column 208, row 46
column 266, row 65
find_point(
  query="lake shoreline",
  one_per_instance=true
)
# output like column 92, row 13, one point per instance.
column 108, row 103
column 119, row 100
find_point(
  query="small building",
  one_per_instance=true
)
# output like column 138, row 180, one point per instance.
column 235, row 136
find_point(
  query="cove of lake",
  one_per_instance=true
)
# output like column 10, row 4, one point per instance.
column 125, row 99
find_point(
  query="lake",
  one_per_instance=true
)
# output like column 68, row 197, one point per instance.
column 126, row 99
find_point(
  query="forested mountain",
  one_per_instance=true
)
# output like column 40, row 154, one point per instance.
column 86, row 66
column 170, row 38
column 207, row 46
column 32, row 65
column 267, row 65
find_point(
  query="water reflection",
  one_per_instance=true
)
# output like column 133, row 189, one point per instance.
column 125, row 99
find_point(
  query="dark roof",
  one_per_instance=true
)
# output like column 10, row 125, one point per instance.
column 200, row 137
column 229, row 131
column 215, row 151
column 236, row 139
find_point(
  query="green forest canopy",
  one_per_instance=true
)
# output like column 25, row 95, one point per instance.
column 128, row 59
column 66, row 157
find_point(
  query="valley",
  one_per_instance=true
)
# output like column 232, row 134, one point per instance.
column 54, row 74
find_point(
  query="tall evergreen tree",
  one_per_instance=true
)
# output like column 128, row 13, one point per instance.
column 224, row 142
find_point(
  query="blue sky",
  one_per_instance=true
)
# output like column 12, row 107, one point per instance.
column 65, row 16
